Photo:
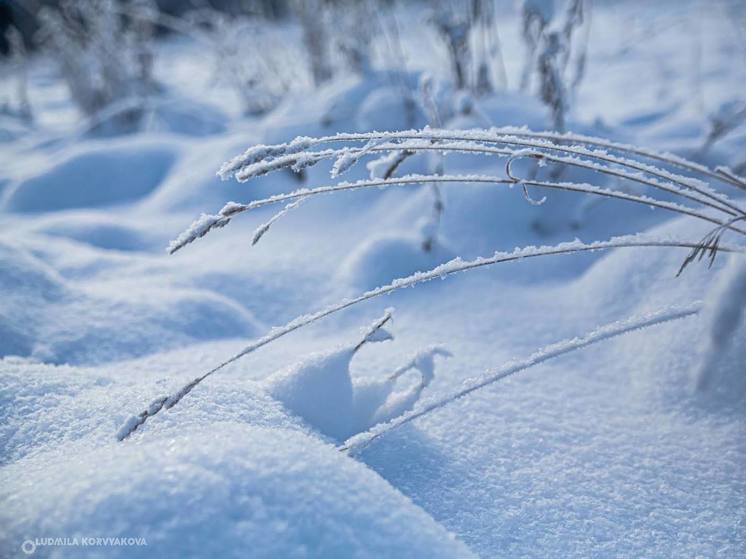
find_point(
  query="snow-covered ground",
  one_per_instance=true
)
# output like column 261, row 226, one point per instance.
column 611, row 450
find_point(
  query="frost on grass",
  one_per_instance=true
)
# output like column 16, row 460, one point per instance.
column 204, row 224
column 465, row 179
column 264, row 227
column 389, row 149
column 349, row 158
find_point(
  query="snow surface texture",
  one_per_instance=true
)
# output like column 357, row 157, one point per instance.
column 321, row 390
column 263, row 484
column 724, row 311
column 610, row 450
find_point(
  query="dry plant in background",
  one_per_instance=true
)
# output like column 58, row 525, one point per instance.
column 556, row 49
column 238, row 44
column 729, row 118
column 468, row 29
column 314, row 19
column 19, row 64
column 103, row 54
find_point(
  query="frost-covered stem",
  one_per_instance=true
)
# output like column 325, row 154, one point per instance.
column 506, row 135
column 431, row 233
column 498, row 53
column 360, row 442
column 102, row 49
column 667, row 158
column 428, row 100
column 582, row 56
column 738, row 169
column 574, row 17
column 264, row 227
column 263, row 159
column 726, row 207
column 454, row 266
column 721, row 203
column 482, row 18
column 374, row 330
column 708, row 245
column 206, row 223
column 353, row 32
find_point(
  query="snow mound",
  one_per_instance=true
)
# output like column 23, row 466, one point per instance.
column 320, row 389
column 386, row 108
column 724, row 311
column 80, row 323
column 226, row 473
column 385, row 257
column 11, row 128
column 696, row 361
column 501, row 109
column 166, row 114
column 161, row 319
column 96, row 229
column 46, row 407
column 245, row 489
column 193, row 185
column 24, row 282
column 368, row 101
column 93, row 176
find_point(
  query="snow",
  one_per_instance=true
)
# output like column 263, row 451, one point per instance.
column 724, row 309
column 360, row 441
column 320, row 389
column 561, row 393
column 390, row 255
column 98, row 175
column 250, row 466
